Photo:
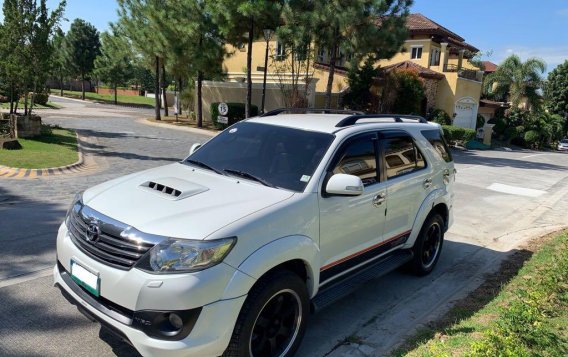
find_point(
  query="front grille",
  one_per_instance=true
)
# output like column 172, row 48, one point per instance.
column 106, row 240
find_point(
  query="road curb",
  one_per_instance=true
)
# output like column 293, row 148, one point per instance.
column 181, row 128
column 20, row 173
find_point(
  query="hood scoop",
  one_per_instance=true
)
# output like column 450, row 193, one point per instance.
column 173, row 188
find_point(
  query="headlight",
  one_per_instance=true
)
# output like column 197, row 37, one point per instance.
column 184, row 255
column 76, row 204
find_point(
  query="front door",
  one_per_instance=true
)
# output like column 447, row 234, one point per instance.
column 351, row 227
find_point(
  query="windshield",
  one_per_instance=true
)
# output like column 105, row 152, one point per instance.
column 564, row 141
column 269, row 154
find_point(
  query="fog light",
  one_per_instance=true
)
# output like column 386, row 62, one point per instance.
column 176, row 321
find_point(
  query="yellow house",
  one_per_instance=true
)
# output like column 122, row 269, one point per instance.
column 436, row 53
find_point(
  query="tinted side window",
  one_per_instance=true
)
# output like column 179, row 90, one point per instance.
column 402, row 157
column 437, row 140
column 358, row 158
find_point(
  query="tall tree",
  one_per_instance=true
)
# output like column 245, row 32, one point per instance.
column 199, row 52
column 557, row 90
column 359, row 28
column 516, row 81
column 59, row 66
column 114, row 64
column 241, row 21
column 142, row 21
column 25, row 46
column 82, row 47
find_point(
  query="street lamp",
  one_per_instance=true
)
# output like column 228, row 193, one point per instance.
column 267, row 36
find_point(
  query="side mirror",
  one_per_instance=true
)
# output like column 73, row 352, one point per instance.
column 194, row 148
column 345, row 185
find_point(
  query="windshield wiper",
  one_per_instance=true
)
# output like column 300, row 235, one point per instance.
column 205, row 166
column 249, row 176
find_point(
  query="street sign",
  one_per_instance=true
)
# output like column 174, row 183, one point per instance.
column 222, row 119
column 223, row 108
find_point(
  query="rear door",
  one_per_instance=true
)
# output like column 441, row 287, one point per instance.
column 409, row 179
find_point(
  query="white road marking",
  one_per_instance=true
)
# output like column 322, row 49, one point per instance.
column 514, row 190
column 526, row 157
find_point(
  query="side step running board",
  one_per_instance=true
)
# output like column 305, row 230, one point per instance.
column 338, row 290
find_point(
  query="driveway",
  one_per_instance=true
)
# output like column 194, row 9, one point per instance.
column 502, row 199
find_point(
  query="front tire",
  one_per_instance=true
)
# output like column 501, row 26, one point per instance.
column 273, row 319
column 428, row 246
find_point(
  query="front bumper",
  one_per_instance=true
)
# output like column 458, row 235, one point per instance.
column 123, row 294
column 210, row 335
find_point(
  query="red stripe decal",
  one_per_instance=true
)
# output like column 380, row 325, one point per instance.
column 330, row 265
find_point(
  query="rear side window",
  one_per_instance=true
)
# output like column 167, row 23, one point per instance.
column 402, row 157
column 437, row 140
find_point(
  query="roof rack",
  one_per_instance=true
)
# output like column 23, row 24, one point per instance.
column 351, row 120
column 310, row 110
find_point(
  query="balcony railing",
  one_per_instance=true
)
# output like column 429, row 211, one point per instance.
column 464, row 73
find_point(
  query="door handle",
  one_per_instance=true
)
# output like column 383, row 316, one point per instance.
column 379, row 199
column 446, row 176
column 427, row 183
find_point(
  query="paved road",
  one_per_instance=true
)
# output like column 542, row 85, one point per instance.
column 503, row 198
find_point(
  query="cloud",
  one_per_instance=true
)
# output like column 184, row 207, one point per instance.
column 553, row 56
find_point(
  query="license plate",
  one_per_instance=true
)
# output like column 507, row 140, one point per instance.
column 85, row 278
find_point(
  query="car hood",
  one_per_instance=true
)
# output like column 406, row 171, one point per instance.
column 181, row 201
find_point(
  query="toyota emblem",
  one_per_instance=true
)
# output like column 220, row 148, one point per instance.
column 93, row 232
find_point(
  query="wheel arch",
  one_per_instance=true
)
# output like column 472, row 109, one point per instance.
column 298, row 254
column 434, row 202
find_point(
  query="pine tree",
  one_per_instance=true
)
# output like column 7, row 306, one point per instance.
column 359, row 28
column 241, row 21
column 82, row 47
column 114, row 64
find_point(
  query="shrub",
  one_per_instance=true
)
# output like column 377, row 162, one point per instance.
column 532, row 138
column 454, row 133
column 41, row 98
column 439, row 116
column 500, row 125
column 480, row 121
column 236, row 113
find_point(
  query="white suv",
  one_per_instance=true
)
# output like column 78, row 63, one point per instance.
column 227, row 252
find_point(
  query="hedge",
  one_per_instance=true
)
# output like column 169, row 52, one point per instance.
column 236, row 113
column 454, row 133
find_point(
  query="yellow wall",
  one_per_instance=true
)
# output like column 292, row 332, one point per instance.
column 452, row 88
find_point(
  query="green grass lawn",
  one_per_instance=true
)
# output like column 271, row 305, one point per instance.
column 528, row 316
column 107, row 98
column 49, row 150
column 49, row 105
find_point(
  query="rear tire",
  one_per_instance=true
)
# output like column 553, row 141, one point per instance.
column 273, row 318
column 428, row 246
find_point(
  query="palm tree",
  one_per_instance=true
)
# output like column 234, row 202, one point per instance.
column 516, row 81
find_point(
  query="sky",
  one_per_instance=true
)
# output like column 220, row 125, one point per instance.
column 498, row 28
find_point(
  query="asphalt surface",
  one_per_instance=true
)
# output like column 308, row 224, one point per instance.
column 502, row 199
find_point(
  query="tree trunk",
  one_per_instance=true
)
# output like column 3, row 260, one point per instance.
column 61, row 86
column 11, row 98
column 164, row 88
column 26, row 100
column 330, row 77
column 199, row 100
column 306, row 79
column 248, row 102
column 157, row 104
column 82, row 86
column 32, row 101
column 180, row 88
column 115, row 94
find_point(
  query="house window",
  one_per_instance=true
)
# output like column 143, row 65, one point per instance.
column 321, row 55
column 280, row 51
column 435, row 57
column 416, row 53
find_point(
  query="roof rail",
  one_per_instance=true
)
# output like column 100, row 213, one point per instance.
column 310, row 110
column 351, row 120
